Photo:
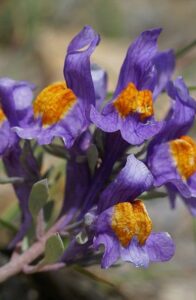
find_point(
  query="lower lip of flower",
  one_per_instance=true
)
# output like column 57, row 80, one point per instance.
column 131, row 100
column 53, row 103
column 129, row 220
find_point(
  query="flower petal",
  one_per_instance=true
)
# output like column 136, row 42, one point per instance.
column 7, row 137
column 111, row 245
column 135, row 132
column 191, row 204
column 165, row 64
column 135, row 254
column 180, row 117
column 99, row 77
column 69, row 128
column 192, row 184
column 133, row 179
column 172, row 194
column 164, row 170
column 16, row 98
column 160, row 247
column 137, row 66
column 77, row 70
column 108, row 120
column 182, row 93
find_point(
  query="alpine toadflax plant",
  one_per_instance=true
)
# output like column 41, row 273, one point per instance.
column 103, row 218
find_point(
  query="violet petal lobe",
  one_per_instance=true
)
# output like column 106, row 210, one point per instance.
column 137, row 66
column 135, row 254
column 135, row 132
column 164, row 170
column 16, row 98
column 191, row 204
column 181, row 115
column 108, row 120
column 172, row 194
column 183, row 93
column 160, row 247
column 192, row 184
column 111, row 246
column 99, row 77
column 165, row 63
column 77, row 69
column 68, row 128
column 133, row 179
column 7, row 137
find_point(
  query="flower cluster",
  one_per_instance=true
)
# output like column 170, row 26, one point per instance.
column 103, row 178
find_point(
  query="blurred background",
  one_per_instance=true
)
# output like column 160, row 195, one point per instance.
column 34, row 35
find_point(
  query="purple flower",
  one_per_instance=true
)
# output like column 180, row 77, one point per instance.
column 15, row 100
column 123, row 225
column 62, row 109
column 143, row 72
column 125, row 230
column 171, row 155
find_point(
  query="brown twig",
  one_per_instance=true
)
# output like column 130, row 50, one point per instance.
column 17, row 263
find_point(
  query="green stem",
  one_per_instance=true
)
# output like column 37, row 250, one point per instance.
column 185, row 49
column 56, row 150
column 192, row 88
column 13, row 180
column 8, row 225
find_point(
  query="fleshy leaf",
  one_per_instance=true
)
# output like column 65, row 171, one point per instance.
column 38, row 197
column 54, row 249
column 48, row 209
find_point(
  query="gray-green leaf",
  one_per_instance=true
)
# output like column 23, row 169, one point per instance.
column 38, row 197
column 48, row 209
column 54, row 249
